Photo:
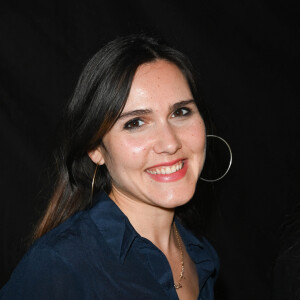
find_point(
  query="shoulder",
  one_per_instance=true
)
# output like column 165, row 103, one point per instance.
column 39, row 271
column 67, row 240
column 53, row 266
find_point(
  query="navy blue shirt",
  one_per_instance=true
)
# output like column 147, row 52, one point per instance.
column 97, row 254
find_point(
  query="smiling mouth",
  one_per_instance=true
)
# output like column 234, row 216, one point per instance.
column 167, row 169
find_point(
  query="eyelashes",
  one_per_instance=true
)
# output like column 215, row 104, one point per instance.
column 138, row 122
column 181, row 112
column 134, row 124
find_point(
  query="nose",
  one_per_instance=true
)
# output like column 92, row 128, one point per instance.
column 167, row 139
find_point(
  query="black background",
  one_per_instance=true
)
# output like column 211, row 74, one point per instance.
column 247, row 53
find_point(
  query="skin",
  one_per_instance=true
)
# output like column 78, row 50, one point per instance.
column 159, row 126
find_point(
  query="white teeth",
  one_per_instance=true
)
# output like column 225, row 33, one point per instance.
column 167, row 170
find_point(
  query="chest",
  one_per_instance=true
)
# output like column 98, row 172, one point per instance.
column 144, row 274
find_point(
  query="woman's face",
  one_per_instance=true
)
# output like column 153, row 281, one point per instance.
column 156, row 150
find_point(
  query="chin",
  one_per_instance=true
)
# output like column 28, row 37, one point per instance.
column 172, row 200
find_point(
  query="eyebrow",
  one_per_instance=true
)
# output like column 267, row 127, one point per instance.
column 181, row 104
column 135, row 113
column 140, row 112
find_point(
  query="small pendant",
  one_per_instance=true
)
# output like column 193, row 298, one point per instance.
column 177, row 286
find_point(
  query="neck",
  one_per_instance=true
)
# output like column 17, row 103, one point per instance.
column 151, row 222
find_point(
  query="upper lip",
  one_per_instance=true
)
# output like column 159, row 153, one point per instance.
column 166, row 164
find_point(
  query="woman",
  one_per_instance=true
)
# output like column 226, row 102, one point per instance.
column 133, row 150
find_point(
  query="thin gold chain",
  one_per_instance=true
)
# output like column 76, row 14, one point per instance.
column 179, row 285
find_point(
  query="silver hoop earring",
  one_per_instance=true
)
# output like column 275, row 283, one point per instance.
column 93, row 181
column 230, row 160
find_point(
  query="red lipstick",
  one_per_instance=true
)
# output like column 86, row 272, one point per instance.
column 166, row 164
column 170, row 177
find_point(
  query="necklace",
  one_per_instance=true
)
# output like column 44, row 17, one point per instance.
column 178, row 284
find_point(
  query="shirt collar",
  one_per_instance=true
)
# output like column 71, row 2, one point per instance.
column 113, row 225
column 199, row 249
column 187, row 236
column 201, row 252
column 119, row 234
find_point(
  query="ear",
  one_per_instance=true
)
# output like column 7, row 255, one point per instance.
column 96, row 156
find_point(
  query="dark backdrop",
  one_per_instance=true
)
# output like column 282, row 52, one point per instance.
column 247, row 53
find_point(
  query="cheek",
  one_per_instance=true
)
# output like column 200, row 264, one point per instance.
column 126, row 154
column 196, row 138
column 136, row 150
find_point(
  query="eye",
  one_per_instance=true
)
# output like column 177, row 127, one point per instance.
column 181, row 112
column 133, row 124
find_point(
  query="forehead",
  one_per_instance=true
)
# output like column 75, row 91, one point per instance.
column 157, row 83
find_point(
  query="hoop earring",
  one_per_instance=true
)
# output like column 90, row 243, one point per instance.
column 93, row 181
column 230, row 161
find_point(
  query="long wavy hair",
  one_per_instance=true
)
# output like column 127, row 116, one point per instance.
column 98, row 100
